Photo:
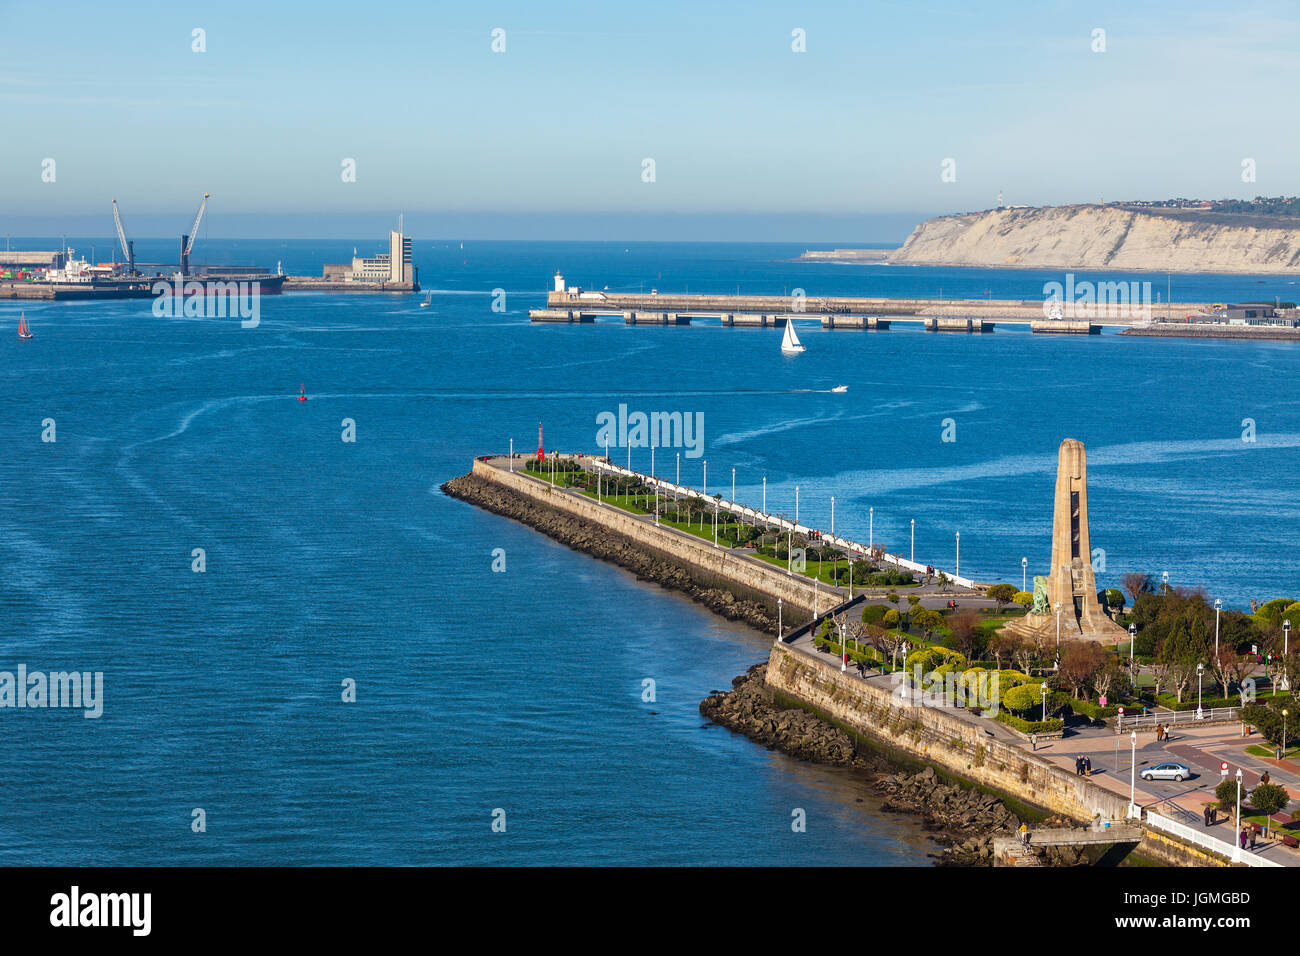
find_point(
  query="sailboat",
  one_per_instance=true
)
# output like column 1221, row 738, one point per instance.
column 23, row 331
column 840, row 388
column 790, row 343
column 428, row 300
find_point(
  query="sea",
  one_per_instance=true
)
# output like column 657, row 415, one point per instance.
column 308, row 658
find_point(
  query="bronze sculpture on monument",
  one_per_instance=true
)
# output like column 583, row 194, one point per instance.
column 1070, row 585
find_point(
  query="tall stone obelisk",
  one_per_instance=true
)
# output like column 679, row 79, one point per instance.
column 1071, row 584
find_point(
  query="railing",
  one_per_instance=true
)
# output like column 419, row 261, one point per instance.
column 1192, row 835
column 1173, row 718
column 770, row 520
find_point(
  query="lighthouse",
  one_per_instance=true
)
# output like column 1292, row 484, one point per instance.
column 540, row 456
column 559, row 281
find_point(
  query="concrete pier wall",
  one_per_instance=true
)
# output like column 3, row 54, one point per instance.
column 770, row 582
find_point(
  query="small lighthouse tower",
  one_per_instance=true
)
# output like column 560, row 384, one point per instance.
column 559, row 281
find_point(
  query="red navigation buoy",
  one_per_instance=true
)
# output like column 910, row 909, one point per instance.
column 302, row 392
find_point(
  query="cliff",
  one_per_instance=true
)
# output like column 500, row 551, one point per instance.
column 1106, row 238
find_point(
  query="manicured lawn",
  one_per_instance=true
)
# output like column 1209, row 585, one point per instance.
column 1270, row 752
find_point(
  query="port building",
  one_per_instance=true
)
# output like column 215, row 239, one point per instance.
column 393, row 266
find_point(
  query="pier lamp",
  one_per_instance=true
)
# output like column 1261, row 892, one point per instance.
column 957, row 572
column 1024, row 574
column 1132, row 779
column 1044, row 688
column 1236, row 852
column 1132, row 639
column 913, row 558
column 1200, row 671
column 1218, row 606
column 779, row 634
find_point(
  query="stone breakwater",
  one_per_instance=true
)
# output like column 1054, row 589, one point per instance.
column 965, row 820
column 608, row 545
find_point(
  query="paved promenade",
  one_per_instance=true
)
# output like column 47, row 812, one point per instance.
column 1201, row 748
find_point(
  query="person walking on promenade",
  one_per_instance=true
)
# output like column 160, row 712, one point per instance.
column 1087, row 766
column 1265, row 777
column 1241, row 838
column 1078, row 766
column 1205, row 814
column 1253, row 834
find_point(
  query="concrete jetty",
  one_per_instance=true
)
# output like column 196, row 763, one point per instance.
column 833, row 312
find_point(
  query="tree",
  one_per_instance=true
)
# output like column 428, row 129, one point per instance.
column 928, row 621
column 1002, row 644
column 1226, row 793
column 1112, row 677
column 1137, row 583
column 966, row 635
column 1025, row 599
column 1002, row 594
column 1269, row 798
column 1024, row 653
column 1080, row 663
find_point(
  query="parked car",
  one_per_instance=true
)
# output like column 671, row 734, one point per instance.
column 1167, row 771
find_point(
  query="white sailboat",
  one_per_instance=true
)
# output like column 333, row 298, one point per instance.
column 428, row 300
column 790, row 343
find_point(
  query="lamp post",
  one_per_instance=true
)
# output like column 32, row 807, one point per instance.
column 844, row 650
column 832, row 516
column 1218, row 606
column 1058, row 633
column 871, row 527
column 1132, row 775
column 733, row 486
column 913, row 541
column 1044, row 688
column 706, row 478
column 779, row 634
column 957, row 572
column 512, row 455
column 796, row 506
column 1132, row 639
column 765, row 496
column 1164, row 578
column 679, row 470
column 1286, row 637
column 1024, row 574
column 655, row 481
column 1200, row 671
column 1284, row 713
column 1236, row 842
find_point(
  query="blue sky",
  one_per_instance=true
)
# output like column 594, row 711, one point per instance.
column 843, row 142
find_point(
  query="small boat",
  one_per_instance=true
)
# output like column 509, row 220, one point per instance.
column 302, row 392
column 790, row 343
column 23, row 331
column 840, row 388
column 428, row 300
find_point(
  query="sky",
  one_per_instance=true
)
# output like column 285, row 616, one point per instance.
column 846, row 141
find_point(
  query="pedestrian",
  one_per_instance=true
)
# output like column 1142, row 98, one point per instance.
column 1078, row 766
column 1265, row 778
column 1241, row 838
column 1214, row 815
column 1253, row 835
column 1087, row 766
column 1205, row 814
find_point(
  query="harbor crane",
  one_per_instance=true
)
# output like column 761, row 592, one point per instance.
column 128, row 248
column 187, row 242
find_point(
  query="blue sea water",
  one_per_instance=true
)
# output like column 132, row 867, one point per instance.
column 521, row 691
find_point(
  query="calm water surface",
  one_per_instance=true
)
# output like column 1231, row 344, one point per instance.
column 329, row 561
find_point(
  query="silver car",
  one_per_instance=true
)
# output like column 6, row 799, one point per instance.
column 1167, row 771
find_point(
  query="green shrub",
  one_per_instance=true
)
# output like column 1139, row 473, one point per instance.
column 1024, row 598
column 1226, row 794
column 1023, row 697
column 875, row 613
column 1269, row 798
column 1052, row 725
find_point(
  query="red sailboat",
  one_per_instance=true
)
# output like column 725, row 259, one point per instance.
column 23, row 331
column 302, row 392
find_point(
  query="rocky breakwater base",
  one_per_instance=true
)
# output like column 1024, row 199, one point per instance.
column 964, row 821
column 601, row 542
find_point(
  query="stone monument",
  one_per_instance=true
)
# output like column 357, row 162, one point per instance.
column 1070, row 583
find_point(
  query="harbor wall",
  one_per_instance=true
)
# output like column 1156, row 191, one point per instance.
column 761, row 580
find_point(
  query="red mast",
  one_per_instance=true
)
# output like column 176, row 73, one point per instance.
column 540, row 456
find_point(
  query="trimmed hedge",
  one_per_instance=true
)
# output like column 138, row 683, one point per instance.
column 1050, row 726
